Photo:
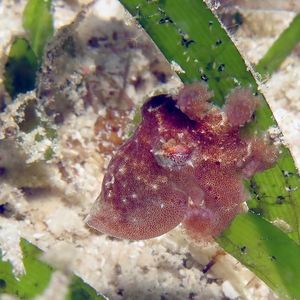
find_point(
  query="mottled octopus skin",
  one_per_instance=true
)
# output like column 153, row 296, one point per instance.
column 185, row 164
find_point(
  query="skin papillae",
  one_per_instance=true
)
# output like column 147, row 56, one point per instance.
column 186, row 164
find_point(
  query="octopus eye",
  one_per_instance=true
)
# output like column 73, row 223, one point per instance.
column 172, row 155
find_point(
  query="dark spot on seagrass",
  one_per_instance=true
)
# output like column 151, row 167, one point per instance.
column 280, row 199
column 218, row 42
column 221, row 67
column 204, row 77
column 2, row 283
column 165, row 20
column 185, row 42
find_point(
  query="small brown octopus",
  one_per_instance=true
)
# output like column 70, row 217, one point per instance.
column 186, row 164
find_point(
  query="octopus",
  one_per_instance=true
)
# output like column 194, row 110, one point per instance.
column 186, row 163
